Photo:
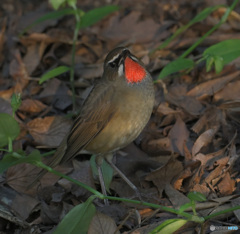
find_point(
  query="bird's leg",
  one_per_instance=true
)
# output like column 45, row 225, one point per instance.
column 99, row 161
column 109, row 160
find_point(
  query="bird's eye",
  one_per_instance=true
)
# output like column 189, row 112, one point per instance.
column 112, row 64
column 115, row 61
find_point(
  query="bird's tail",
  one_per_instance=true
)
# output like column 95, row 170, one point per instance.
column 55, row 160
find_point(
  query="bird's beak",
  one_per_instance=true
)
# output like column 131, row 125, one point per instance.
column 125, row 53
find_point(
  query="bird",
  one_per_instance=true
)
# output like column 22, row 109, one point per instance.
column 113, row 115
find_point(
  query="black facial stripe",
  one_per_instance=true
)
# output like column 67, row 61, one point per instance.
column 118, row 60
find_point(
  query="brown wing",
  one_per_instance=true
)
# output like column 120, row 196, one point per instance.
column 96, row 113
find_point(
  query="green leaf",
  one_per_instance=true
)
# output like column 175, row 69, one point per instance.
column 16, row 101
column 175, row 66
column 53, row 73
column 169, row 226
column 15, row 158
column 72, row 3
column 204, row 14
column 107, row 171
column 209, row 63
column 95, row 15
column 196, row 196
column 57, row 3
column 9, row 129
column 185, row 206
column 34, row 156
column 218, row 64
column 228, row 50
column 78, row 219
column 94, row 166
column 8, row 161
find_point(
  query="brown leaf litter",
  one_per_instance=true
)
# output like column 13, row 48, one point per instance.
column 190, row 144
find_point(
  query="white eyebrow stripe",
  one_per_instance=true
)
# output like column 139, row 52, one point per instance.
column 114, row 58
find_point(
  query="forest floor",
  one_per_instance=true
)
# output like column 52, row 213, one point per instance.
column 191, row 142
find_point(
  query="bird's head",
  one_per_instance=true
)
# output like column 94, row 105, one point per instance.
column 120, row 63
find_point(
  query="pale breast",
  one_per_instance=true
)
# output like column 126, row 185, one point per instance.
column 133, row 112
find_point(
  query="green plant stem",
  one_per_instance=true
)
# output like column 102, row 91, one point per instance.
column 221, row 212
column 223, row 19
column 176, row 34
column 10, row 147
column 48, row 153
column 101, row 196
column 75, row 36
column 188, row 216
column 194, row 207
column 155, row 206
column 5, row 150
column 90, row 189
column 17, row 155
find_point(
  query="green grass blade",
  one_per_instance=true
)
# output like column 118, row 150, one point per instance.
column 95, row 15
column 201, row 16
column 53, row 73
column 175, row 66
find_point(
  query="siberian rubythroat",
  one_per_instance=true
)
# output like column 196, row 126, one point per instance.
column 114, row 113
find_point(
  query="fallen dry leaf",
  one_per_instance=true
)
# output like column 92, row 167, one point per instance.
column 227, row 185
column 229, row 92
column 211, row 117
column 164, row 109
column 165, row 174
column 202, row 188
column 129, row 28
column 32, row 106
column 178, row 136
column 161, row 144
column 210, row 87
column 176, row 197
column 204, row 139
column 33, row 56
column 20, row 176
column 177, row 96
column 187, row 108
column 83, row 173
column 19, row 73
column 49, row 131
column 215, row 175
column 102, row 224
column 24, row 205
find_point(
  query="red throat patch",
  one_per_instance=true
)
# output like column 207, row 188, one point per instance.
column 133, row 71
